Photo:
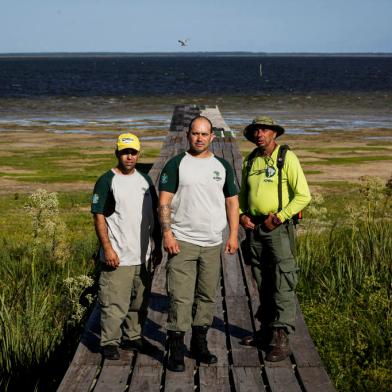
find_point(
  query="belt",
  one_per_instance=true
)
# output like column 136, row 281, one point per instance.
column 258, row 219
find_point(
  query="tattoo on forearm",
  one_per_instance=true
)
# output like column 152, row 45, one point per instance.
column 165, row 216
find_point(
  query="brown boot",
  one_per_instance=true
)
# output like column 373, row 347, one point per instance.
column 280, row 347
column 259, row 339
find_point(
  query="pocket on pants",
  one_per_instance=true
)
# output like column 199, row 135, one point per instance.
column 104, row 289
column 288, row 275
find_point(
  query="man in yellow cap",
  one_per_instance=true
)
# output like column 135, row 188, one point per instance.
column 273, row 191
column 124, row 205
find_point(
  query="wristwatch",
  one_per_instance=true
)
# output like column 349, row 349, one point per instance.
column 275, row 220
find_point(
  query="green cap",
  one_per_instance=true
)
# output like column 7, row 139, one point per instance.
column 264, row 122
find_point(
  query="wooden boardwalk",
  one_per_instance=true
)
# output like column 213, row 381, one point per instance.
column 239, row 368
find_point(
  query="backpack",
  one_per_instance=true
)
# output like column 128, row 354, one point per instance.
column 280, row 163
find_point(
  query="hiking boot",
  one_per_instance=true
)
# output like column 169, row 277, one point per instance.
column 110, row 352
column 176, row 351
column 260, row 339
column 280, row 347
column 132, row 345
column 199, row 349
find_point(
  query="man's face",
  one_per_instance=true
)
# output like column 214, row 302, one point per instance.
column 263, row 137
column 200, row 136
column 127, row 160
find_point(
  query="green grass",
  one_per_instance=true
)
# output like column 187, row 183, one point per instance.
column 345, row 290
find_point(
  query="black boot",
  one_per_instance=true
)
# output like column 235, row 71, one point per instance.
column 280, row 347
column 199, row 348
column 176, row 351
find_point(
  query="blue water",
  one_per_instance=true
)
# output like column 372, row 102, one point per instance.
column 83, row 94
column 192, row 75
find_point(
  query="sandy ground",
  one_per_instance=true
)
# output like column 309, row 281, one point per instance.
column 313, row 151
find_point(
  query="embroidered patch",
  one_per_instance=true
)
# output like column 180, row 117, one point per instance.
column 95, row 198
column 270, row 171
column 164, row 178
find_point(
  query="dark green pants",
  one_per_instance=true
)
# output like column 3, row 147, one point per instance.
column 275, row 271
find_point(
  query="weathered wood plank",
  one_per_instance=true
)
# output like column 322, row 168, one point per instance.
column 315, row 379
column 78, row 378
column 114, row 374
column 248, row 379
column 214, row 379
column 282, row 379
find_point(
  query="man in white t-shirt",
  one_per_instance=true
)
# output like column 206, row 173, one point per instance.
column 124, row 206
column 198, row 194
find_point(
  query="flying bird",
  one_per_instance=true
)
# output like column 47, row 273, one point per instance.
column 183, row 42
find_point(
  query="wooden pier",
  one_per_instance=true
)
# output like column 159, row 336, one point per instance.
column 239, row 368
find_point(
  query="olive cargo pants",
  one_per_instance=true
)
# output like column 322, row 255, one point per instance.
column 275, row 271
column 192, row 281
column 123, row 298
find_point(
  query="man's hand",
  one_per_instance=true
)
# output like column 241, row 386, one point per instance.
column 246, row 222
column 272, row 222
column 156, row 256
column 170, row 243
column 231, row 245
column 111, row 258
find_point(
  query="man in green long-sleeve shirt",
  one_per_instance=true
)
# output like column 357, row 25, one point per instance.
column 270, row 233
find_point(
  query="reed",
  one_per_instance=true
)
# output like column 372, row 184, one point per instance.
column 43, row 276
column 345, row 290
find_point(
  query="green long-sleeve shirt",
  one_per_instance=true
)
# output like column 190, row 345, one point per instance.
column 260, row 197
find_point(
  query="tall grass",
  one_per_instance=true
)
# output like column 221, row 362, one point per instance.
column 42, row 278
column 346, row 292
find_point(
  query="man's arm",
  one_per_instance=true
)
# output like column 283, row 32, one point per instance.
column 232, row 209
column 111, row 257
column 170, row 244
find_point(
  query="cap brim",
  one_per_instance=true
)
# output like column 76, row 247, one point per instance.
column 251, row 127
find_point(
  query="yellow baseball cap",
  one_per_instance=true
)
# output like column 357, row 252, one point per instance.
column 128, row 140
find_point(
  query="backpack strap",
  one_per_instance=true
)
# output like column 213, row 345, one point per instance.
column 248, row 166
column 280, row 163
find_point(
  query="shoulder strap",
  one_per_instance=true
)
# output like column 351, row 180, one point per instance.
column 280, row 163
column 248, row 166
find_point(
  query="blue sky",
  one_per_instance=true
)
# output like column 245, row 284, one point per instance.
column 156, row 25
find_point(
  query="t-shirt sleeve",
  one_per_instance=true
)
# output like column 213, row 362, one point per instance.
column 169, row 178
column 230, row 187
column 103, row 201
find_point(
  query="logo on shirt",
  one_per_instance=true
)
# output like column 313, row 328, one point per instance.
column 217, row 176
column 95, row 198
column 164, row 178
column 270, row 171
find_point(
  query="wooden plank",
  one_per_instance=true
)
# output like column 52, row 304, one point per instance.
column 282, row 379
column 146, row 378
column 114, row 374
column 304, row 351
column 149, row 366
column 214, row 379
column 248, row 379
column 315, row 379
column 78, row 378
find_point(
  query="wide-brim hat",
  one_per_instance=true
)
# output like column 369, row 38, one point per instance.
column 128, row 140
column 263, row 122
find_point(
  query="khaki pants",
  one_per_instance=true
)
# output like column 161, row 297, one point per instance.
column 192, row 281
column 275, row 271
column 123, row 297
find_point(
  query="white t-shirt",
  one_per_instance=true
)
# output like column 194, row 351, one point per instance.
column 126, row 202
column 200, row 186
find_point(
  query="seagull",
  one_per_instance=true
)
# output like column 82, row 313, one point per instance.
column 183, row 42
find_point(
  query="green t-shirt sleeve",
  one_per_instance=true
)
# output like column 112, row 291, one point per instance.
column 230, row 187
column 103, row 200
column 169, row 178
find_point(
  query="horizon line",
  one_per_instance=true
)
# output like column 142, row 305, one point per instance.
column 181, row 53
